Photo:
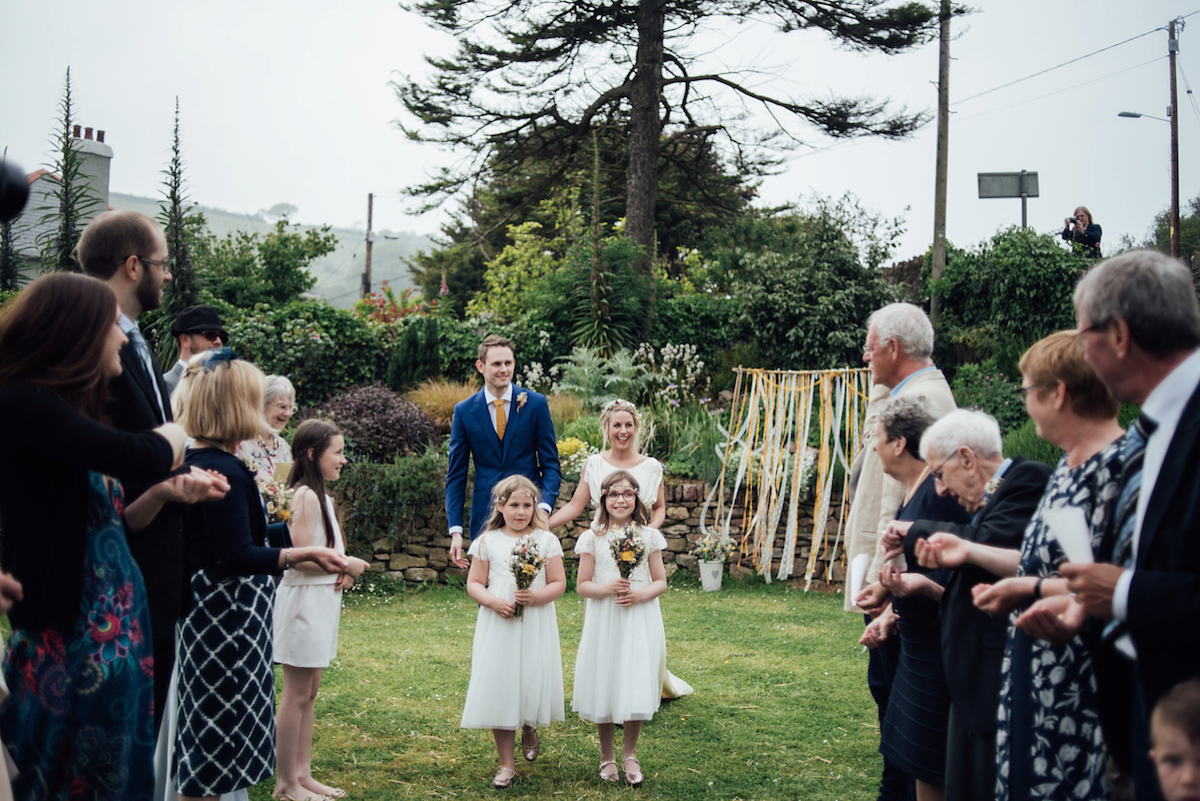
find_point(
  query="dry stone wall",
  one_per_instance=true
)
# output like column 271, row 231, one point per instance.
column 425, row 555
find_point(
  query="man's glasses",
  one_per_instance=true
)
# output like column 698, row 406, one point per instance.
column 937, row 473
column 161, row 263
column 211, row 336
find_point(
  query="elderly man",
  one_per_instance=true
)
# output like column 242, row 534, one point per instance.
column 898, row 349
column 963, row 450
column 1139, row 322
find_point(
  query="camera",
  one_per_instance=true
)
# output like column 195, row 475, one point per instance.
column 14, row 190
column 1073, row 220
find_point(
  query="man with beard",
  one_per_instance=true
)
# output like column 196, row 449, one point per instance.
column 127, row 251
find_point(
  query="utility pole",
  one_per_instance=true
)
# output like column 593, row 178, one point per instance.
column 366, row 278
column 943, row 145
column 1172, row 49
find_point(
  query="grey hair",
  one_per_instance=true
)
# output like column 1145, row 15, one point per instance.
column 978, row 431
column 905, row 324
column 277, row 387
column 907, row 416
column 1151, row 292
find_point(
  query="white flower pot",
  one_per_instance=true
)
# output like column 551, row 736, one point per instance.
column 710, row 575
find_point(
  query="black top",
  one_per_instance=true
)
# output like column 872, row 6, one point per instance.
column 229, row 534
column 926, row 504
column 1088, row 241
column 49, row 449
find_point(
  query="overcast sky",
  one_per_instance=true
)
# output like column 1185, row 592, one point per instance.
column 289, row 102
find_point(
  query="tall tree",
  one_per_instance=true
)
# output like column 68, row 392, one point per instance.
column 532, row 78
column 181, row 225
column 74, row 198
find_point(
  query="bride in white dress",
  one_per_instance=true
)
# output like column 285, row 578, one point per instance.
column 620, row 425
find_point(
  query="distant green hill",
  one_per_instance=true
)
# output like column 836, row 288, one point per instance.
column 339, row 275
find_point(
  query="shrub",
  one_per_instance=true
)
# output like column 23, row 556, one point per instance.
column 437, row 396
column 383, row 500
column 985, row 387
column 379, row 425
column 564, row 410
column 586, row 429
column 686, row 441
column 417, row 356
column 1024, row 441
column 322, row 350
column 572, row 455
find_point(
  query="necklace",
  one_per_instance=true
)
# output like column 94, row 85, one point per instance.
column 214, row 444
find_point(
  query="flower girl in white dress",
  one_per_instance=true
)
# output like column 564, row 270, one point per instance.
column 516, row 663
column 623, row 642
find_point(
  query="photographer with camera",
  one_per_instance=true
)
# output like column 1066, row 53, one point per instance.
column 1084, row 232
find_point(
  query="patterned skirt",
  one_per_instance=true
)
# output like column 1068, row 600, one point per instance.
column 226, row 737
column 79, row 722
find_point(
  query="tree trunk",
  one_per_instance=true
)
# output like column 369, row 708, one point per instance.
column 645, row 127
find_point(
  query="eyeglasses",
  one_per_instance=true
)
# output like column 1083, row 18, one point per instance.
column 211, row 336
column 1087, row 329
column 627, row 495
column 161, row 263
column 1024, row 391
column 938, row 472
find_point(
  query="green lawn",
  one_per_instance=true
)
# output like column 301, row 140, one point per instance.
column 781, row 709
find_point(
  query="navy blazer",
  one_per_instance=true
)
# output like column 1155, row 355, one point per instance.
column 1164, row 594
column 972, row 640
column 529, row 448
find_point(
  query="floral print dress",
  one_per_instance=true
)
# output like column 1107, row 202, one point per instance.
column 79, row 722
column 1048, row 740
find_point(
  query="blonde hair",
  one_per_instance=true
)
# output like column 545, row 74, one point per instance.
column 641, row 514
column 220, row 397
column 507, row 487
column 618, row 405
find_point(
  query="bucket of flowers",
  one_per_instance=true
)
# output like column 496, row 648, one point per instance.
column 711, row 551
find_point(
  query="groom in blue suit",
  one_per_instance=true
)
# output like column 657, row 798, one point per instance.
column 508, row 431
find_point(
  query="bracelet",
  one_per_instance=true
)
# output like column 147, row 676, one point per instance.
column 287, row 558
column 1037, row 588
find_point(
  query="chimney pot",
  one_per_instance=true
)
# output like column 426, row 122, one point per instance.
column 99, row 136
column 77, row 129
column 87, row 133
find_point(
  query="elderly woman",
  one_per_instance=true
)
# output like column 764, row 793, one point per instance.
column 914, row 730
column 1048, row 706
column 266, row 452
column 1001, row 494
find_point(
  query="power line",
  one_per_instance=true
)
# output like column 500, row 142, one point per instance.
column 1059, row 66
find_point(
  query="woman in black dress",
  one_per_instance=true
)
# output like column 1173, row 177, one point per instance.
column 225, row 740
column 914, row 730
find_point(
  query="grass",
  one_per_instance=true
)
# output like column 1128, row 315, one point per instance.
column 437, row 396
column 781, row 709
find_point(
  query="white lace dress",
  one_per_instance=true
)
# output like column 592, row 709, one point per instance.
column 516, row 664
column 622, row 649
column 649, row 475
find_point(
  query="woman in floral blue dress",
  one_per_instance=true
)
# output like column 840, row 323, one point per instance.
column 1049, row 740
column 79, row 720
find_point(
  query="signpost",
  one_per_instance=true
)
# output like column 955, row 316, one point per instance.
column 1021, row 184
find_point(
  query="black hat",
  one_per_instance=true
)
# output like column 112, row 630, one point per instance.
column 198, row 318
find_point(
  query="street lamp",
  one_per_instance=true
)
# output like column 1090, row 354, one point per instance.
column 1174, row 172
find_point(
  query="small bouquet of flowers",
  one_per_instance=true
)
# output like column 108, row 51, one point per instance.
column 278, row 501
column 525, row 562
column 628, row 549
column 715, row 546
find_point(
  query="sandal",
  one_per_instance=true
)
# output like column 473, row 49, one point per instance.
column 613, row 777
column 530, row 752
column 501, row 781
column 633, row 778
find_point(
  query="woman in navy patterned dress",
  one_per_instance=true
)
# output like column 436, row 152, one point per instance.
column 1049, row 741
column 79, row 720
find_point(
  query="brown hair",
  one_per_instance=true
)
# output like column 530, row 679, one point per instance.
column 1180, row 709
column 641, row 515
column 493, row 341
column 1059, row 358
column 315, row 436
column 507, row 487
column 112, row 238
column 223, row 398
column 53, row 335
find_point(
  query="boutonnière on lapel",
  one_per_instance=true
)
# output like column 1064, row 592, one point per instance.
column 521, row 398
column 990, row 489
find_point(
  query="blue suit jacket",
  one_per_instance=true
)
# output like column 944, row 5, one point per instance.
column 528, row 449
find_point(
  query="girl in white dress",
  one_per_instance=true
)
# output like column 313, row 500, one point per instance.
column 516, row 664
column 308, row 604
column 621, row 427
column 623, row 642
